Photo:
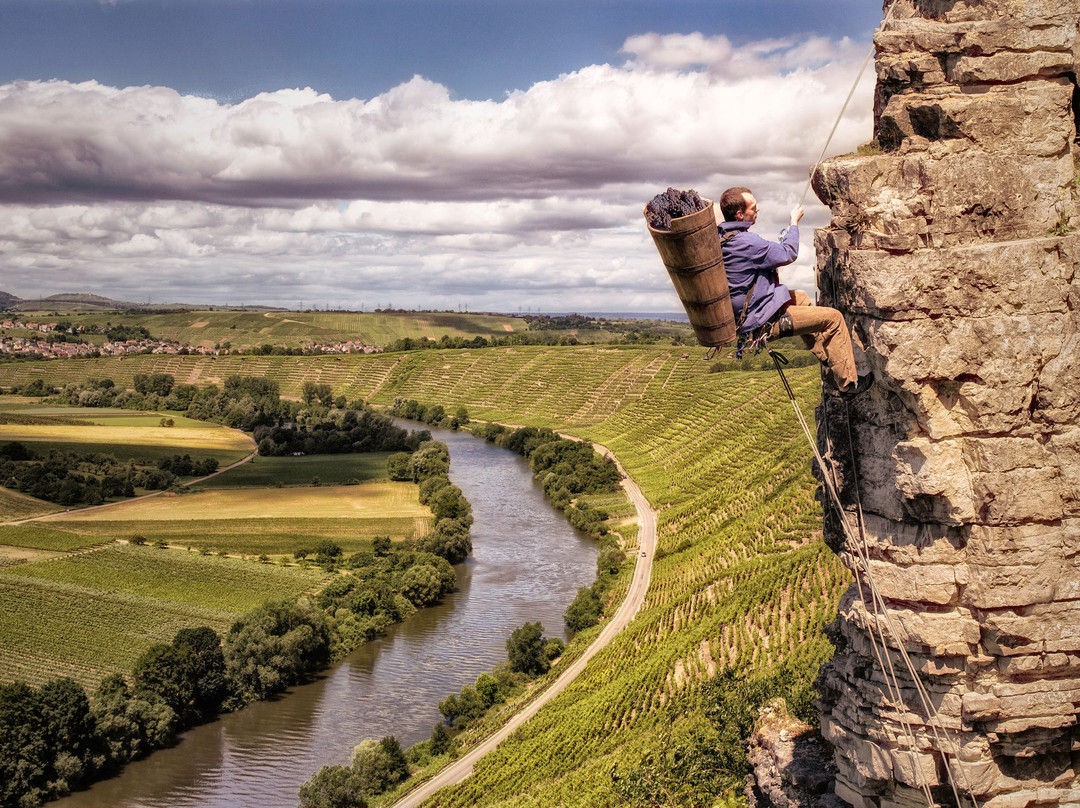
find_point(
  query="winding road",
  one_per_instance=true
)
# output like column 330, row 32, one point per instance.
column 461, row 768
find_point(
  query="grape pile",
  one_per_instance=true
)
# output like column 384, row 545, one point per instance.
column 671, row 205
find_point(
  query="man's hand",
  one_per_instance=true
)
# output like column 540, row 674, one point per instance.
column 796, row 214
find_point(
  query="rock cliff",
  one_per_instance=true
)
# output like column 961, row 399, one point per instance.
column 953, row 251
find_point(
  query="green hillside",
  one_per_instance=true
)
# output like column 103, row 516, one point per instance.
column 294, row 329
column 741, row 581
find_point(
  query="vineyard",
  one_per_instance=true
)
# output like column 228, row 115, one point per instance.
column 741, row 581
column 14, row 505
column 92, row 614
column 528, row 385
column 244, row 329
column 328, row 469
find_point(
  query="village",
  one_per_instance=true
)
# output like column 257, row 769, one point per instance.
column 65, row 343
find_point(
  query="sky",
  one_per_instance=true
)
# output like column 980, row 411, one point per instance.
column 480, row 155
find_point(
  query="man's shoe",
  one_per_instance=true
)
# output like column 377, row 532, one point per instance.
column 863, row 384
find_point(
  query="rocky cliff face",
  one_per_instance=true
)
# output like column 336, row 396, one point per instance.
column 954, row 253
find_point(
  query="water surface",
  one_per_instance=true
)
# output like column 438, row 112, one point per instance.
column 527, row 565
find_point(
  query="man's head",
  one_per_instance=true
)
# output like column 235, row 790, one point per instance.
column 738, row 205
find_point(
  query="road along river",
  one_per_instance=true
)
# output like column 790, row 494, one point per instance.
column 527, row 565
column 635, row 596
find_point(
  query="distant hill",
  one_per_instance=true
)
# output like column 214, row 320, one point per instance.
column 63, row 302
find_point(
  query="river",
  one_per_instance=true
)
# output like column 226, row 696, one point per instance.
column 527, row 565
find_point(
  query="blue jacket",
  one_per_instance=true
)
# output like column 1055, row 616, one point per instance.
column 750, row 260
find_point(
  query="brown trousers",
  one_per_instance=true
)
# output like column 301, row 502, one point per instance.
column 825, row 334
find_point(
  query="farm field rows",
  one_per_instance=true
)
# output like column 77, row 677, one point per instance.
column 296, row 329
column 83, row 592
column 329, row 469
column 741, row 581
column 92, row 614
column 125, row 434
column 528, row 385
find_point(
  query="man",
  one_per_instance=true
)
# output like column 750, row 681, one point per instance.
column 751, row 263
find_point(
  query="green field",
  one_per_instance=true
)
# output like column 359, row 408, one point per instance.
column 77, row 599
column 266, row 472
column 741, row 580
column 38, row 535
column 245, row 329
column 16, row 505
column 92, row 614
column 252, row 521
column 125, row 434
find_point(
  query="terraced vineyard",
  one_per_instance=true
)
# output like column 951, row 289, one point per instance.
column 572, row 385
column 294, row 329
column 741, row 581
column 92, row 614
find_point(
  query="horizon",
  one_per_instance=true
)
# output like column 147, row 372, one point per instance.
column 348, row 152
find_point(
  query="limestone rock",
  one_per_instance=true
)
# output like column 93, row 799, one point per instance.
column 955, row 254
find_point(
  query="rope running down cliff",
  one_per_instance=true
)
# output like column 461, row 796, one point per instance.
column 861, row 566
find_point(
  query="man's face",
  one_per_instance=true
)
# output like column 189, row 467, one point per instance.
column 749, row 211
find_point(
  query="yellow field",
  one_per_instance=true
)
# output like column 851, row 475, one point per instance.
column 222, row 439
column 367, row 500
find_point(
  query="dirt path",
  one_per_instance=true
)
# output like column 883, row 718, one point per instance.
column 635, row 596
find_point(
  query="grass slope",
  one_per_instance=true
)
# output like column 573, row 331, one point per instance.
column 243, row 329
column 741, row 580
column 92, row 614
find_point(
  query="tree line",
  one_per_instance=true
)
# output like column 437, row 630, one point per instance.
column 377, row 766
column 564, row 468
column 55, row 738
column 67, row 477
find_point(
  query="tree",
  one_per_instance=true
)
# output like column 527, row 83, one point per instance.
column 333, row 787
column 274, row 646
column 440, row 742
column 161, row 674
column 487, row 688
column 380, row 545
column 379, row 764
column 205, row 671
column 421, row 584
column 585, row 611
column 69, row 732
column 525, row 650
column 430, row 458
column 23, row 751
column 127, row 728
column 397, row 466
column 450, row 540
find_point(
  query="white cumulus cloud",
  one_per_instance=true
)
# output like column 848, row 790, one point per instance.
column 532, row 200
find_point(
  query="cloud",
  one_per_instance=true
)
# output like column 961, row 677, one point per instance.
column 412, row 193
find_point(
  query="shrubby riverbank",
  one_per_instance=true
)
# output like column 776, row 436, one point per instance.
column 56, row 738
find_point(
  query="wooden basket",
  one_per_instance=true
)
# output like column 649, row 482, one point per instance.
column 695, row 264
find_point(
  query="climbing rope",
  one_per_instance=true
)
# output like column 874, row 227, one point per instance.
column 843, row 109
column 948, row 747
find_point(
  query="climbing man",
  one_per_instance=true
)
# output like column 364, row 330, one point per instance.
column 764, row 305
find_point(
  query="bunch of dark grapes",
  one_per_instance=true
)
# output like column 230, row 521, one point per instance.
column 671, row 205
